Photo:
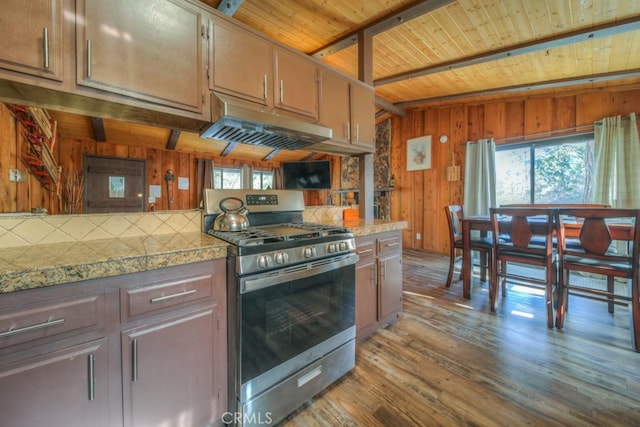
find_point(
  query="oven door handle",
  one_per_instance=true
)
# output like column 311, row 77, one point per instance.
column 289, row 274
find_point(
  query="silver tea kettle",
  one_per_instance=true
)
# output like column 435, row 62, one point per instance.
column 232, row 218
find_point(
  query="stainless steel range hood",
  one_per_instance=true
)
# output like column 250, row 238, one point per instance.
column 240, row 121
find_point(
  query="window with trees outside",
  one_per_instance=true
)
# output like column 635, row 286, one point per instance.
column 262, row 180
column 227, row 178
column 555, row 170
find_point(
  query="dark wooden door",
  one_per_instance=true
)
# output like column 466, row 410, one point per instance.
column 114, row 184
column 168, row 372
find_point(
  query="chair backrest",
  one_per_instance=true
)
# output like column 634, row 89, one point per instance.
column 555, row 205
column 599, row 228
column 454, row 215
column 525, row 230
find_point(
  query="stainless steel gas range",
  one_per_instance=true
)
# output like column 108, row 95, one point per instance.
column 291, row 304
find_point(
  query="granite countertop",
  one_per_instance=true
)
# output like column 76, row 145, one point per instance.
column 29, row 267
column 35, row 266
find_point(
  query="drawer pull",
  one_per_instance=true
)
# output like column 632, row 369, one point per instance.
column 309, row 376
column 366, row 251
column 134, row 361
column 390, row 245
column 179, row 294
column 42, row 325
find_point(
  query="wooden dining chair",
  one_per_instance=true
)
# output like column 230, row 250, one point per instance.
column 599, row 253
column 483, row 245
column 524, row 236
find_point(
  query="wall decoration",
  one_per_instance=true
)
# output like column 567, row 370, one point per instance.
column 419, row 153
column 116, row 187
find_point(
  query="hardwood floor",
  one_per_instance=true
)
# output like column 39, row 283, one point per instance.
column 451, row 362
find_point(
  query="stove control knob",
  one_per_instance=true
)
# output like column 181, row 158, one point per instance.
column 265, row 261
column 282, row 258
column 343, row 246
column 309, row 252
column 332, row 248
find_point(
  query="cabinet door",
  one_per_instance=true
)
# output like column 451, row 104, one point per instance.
column 366, row 289
column 31, row 37
column 168, row 372
column 64, row 388
column 149, row 50
column 242, row 63
column 296, row 83
column 390, row 285
column 334, row 105
column 363, row 132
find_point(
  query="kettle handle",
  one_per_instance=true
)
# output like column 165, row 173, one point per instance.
column 225, row 210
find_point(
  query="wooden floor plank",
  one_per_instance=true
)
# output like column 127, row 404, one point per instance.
column 452, row 362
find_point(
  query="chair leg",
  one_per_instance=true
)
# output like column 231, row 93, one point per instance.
column 610, row 289
column 503, row 266
column 452, row 262
column 551, row 280
column 493, row 284
column 635, row 315
column 483, row 266
column 563, row 297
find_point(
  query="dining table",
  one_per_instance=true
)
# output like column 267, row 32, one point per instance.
column 482, row 223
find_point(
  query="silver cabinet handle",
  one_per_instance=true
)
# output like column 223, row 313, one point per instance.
column 134, row 362
column 89, row 59
column 281, row 91
column 357, row 132
column 179, row 294
column 384, row 270
column 92, row 377
column 46, row 47
column 348, row 130
column 366, row 251
column 264, row 87
column 42, row 325
column 390, row 245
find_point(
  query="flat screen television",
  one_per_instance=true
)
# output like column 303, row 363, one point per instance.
column 310, row 175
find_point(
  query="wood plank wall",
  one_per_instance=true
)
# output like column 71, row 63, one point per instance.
column 25, row 196
column 421, row 196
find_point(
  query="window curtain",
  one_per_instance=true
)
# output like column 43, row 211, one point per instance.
column 480, row 177
column 247, row 177
column 204, row 172
column 277, row 178
column 617, row 156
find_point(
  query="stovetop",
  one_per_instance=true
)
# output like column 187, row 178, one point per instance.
column 287, row 232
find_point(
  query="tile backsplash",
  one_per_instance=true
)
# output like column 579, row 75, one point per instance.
column 24, row 230
column 324, row 213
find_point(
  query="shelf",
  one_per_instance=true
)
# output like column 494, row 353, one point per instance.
column 356, row 190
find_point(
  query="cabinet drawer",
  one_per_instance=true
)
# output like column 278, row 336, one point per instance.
column 165, row 294
column 389, row 245
column 366, row 250
column 52, row 318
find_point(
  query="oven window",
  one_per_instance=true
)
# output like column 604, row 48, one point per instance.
column 282, row 321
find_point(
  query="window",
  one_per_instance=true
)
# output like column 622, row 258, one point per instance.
column 227, row 178
column 556, row 170
column 262, row 180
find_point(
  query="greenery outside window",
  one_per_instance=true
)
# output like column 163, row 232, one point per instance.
column 555, row 170
column 262, row 180
column 227, row 178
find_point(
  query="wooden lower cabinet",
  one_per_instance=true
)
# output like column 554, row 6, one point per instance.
column 378, row 281
column 142, row 349
column 65, row 388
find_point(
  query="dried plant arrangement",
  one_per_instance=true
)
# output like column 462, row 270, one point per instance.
column 72, row 191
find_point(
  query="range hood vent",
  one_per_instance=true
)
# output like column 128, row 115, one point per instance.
column 239, row 121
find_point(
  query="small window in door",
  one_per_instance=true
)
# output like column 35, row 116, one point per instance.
column 114, row 184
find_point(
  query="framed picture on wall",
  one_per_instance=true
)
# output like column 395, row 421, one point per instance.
column 419, row 153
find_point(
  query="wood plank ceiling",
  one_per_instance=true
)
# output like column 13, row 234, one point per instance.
column 439, row 52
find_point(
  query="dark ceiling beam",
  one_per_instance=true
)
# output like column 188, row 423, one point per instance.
column 596, row 78
column 388, row 106
column 99, row 133
column 308, row 156
column 229, row 7
column 173, row 139
column 227, row 150
column 270, row 155
column 606, row 30
column 385, row 23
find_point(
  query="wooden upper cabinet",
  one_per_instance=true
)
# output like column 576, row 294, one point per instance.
column 348, row 108
column 31, row 37
column 242, row 63
column 363, row 116
column 150, row 50
column 296, row 83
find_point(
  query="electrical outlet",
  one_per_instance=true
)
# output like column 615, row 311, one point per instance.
column 418, row 236
column 16, row 175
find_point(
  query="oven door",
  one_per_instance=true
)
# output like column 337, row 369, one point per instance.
column 292, row 317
